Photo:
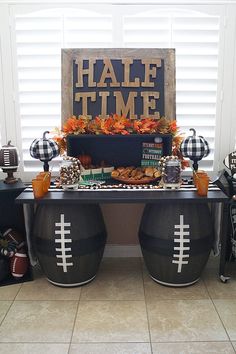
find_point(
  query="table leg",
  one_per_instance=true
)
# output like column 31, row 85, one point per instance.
column 224, row 238
column 29, row 217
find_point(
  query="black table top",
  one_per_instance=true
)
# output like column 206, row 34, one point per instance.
column 123, row 196
column 18, row 186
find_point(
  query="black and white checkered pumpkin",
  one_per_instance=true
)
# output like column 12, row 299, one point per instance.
column 195, row 148
column 44, row 150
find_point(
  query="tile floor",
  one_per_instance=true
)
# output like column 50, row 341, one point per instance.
column 122, row 311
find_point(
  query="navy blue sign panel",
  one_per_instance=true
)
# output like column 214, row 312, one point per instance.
column 136, row 71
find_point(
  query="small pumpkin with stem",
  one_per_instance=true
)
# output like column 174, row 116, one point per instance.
column 195, row 148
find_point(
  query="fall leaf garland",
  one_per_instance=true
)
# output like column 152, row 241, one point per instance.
column 115, row 124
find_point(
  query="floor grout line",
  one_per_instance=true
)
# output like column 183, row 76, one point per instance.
column 12, row 302
column 74, row 322
column 212, row 300
column 221, row 319
column 233, row 346
column 148, row 323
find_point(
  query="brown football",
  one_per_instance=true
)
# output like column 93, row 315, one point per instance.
column 19, row 264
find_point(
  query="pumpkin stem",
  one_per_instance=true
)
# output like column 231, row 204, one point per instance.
column 9, row 143
column 195, row 165
column 44, row 134
column 194, row 131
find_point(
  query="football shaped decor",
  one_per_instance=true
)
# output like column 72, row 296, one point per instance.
column 44, row 149
column 73, row 256
column 230, row 163
column 195, row 148
column 176, row 241
column 9, row 162
column 19, row 264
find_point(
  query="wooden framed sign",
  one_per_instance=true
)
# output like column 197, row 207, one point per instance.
column 136, row 83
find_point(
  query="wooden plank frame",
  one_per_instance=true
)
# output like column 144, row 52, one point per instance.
column 68, row 55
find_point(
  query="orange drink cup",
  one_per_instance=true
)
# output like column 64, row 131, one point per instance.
column 197, row 174
column 38, row 189
column 46, row 178
column 202, row 185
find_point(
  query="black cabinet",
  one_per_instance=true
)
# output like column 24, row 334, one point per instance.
column 11, row 216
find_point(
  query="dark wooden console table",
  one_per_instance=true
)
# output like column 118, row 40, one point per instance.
column 185, row 195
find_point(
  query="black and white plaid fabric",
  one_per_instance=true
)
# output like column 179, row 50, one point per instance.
column 233, row 227
column 195, row 147
column 44, row 150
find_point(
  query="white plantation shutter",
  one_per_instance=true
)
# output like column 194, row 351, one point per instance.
column 40, row 35
column 2, row 122
column 38, row 43
column 39, row 38
column 195, row 35
column 87, row 29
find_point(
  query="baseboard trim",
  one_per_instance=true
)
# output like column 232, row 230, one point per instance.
column 122, row 251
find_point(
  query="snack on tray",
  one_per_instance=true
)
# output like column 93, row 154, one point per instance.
column 138, row 173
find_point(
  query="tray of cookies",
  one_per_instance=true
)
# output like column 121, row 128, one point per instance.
column 136, row 175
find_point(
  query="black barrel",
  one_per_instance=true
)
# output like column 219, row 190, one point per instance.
column 69, row 242
column 176, row 241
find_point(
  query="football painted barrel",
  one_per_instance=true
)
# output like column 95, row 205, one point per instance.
column 69, row 242
column 176, row 241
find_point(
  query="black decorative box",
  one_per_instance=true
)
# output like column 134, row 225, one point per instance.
column 115, row 150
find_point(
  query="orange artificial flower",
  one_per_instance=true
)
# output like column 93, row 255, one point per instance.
column 163, row 125
column 148, row 126
column 75, row 125
column 94, row 126
column 70, row 125
column 107, row 126
column 173, row 127
column 176, row 142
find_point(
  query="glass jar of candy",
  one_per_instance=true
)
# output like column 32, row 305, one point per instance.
column 171, row 172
